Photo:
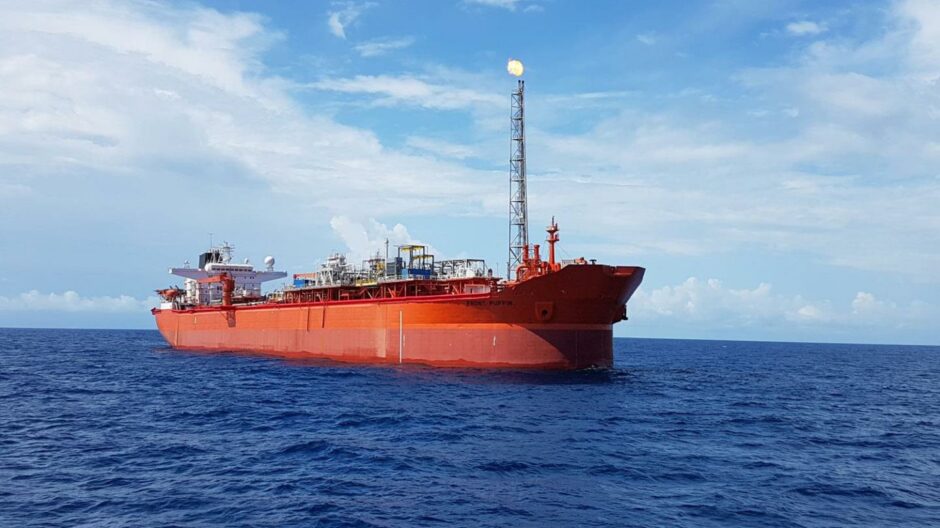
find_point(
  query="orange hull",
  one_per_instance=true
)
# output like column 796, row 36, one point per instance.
column 562, row 320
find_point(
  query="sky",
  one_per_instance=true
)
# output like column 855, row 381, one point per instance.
column 774, row 165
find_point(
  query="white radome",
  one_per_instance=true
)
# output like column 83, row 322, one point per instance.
column 269, row 261
column 514, row 67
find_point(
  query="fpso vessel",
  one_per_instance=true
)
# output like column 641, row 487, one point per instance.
column 407, row 310
column 411, row 308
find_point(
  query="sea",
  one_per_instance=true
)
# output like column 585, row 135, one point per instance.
column 114, row 428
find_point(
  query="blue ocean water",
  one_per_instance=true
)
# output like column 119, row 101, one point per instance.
column 113, row 428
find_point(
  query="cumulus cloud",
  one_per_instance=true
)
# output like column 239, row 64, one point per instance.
column 850, row 178
column 343, row 15
column 71, row 301
column 364, row 239
column 866, row 305
column 805, row 27
column 710, row 302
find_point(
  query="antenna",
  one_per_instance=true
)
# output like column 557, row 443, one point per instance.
column 518, row 204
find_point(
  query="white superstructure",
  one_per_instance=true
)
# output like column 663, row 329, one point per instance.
column 216, row 261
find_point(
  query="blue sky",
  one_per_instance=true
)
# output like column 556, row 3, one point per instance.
column 774, row 165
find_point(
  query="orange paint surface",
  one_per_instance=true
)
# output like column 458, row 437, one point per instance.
column 562, row 320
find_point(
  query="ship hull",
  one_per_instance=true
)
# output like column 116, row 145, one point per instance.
column 560, row 321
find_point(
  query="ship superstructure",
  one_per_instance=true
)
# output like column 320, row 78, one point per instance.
column 200, row 290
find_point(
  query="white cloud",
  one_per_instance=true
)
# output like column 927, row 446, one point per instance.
column 364, row 239
column 215, row 48
column 71, row 301
column 647, row 38
column 922, row 21
column 344, row 15
column 135, row 92
column 123, row 89
column 849, row 176
column 411, row 90
column 709, row 300
column 531, row 6
column 378, row 47
column 805, row 27
column 509, row 5
column 711, row 303
column 441, row 148
column 572, row 98
column 866, row 305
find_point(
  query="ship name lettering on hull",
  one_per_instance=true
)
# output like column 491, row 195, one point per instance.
column 487, row 303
